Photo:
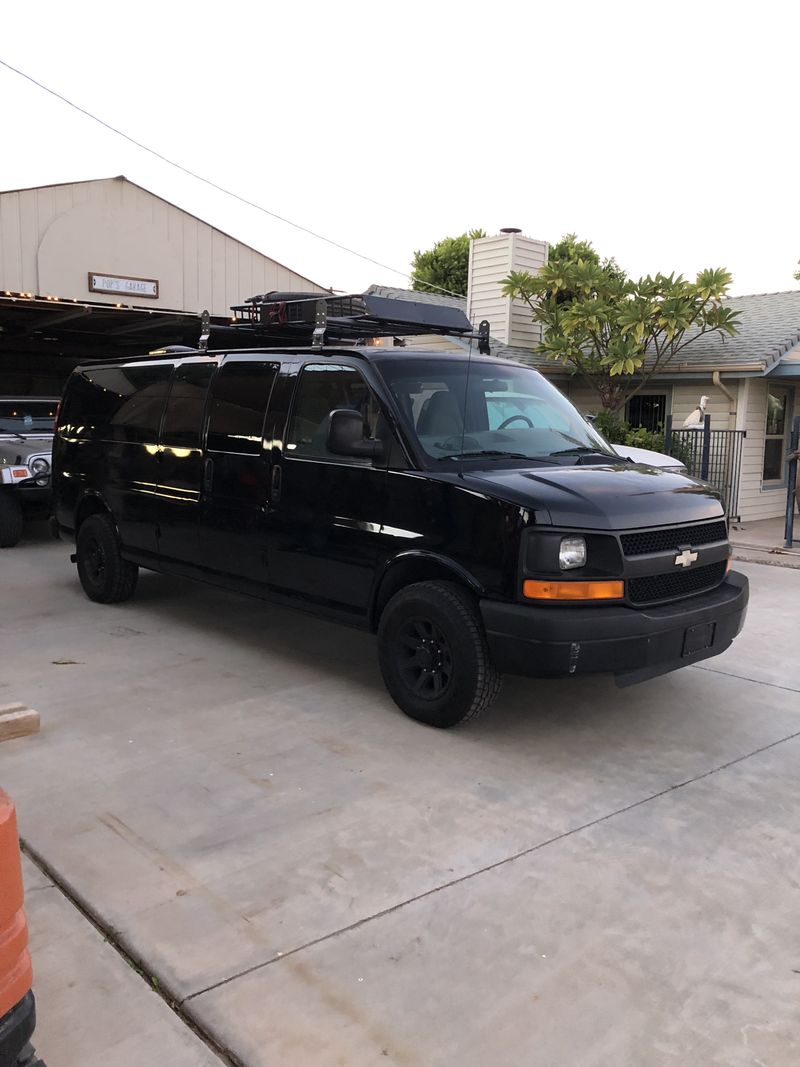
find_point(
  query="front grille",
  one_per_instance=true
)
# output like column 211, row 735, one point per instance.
column 644, row 542
column 655, row 587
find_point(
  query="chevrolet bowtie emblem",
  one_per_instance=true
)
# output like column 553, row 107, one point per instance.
column 685, row 558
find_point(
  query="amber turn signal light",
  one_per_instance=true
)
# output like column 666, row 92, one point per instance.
column 573, row 590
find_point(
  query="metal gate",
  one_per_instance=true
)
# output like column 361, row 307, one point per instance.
column 713, row 455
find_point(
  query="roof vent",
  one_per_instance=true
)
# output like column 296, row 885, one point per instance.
column 510, row 229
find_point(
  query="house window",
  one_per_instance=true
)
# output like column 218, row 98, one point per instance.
column 775, row 433
column 648, row 410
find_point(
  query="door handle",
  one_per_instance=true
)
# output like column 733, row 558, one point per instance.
column 275, row 485
column 208, row 475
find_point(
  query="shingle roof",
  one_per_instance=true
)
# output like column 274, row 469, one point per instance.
column 527, row 356
column 769, row 327
column 441, row 299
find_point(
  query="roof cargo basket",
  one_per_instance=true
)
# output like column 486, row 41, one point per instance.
column 304, row 318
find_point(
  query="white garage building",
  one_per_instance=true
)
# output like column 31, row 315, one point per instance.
column 106, row 267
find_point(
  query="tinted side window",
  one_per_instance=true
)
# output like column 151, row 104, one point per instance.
column 123, row 403
column 321, row 389
column 183, row 419
column 239, row 397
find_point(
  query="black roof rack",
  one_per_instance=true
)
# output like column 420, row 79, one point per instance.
column 312, row 318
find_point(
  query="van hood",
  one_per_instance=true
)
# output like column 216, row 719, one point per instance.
column 602, row 497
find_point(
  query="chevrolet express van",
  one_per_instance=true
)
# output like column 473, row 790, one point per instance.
column 397, row 491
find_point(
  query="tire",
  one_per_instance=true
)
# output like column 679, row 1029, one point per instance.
column 433, row 654
column 28, row 1058
column 105, row 576
column 10, row 520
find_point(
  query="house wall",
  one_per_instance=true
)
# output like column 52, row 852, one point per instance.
column 488, row 265
column 526, row 255
column 755, row 502
column 491, row 260
column 582, row 396
column 430, row 342
column 686, row 397
column 758, row 502
column 52, row 237
column 682, row 399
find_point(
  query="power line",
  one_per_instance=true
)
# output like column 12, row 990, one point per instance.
column 207, row 181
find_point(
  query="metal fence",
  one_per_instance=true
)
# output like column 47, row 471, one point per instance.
column 713, row 455
column 791, row 486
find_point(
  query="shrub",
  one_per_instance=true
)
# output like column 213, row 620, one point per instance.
column 642, row 438
column 612, row 427
column 618, row 432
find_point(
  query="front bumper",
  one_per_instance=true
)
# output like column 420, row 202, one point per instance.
column 34, row 499
column 16, row 1028
column 632, row 643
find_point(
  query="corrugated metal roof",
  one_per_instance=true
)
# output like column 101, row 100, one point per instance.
column 205, row 222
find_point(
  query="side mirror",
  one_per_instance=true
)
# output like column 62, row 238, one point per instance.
column 346, row 436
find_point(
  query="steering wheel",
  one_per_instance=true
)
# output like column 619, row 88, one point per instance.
column 512, row 418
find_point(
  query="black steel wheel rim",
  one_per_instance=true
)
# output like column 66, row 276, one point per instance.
column 95, row 561
column 424, row 658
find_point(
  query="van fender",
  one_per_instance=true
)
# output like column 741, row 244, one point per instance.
column 416, row 565
column 91, row 502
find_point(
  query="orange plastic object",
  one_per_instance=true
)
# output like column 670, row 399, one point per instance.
column 573, row 590
column 15, row 962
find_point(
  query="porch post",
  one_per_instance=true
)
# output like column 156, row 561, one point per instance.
column 791, row 489
column 706, row 447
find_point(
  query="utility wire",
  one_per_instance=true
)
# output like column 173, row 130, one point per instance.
column 207, row 181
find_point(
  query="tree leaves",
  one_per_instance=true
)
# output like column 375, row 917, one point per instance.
column 603, row 325
column 445, row 267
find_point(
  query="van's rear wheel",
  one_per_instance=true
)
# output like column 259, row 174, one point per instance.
column 10, row 520
column 433, row 654
column 105, row 576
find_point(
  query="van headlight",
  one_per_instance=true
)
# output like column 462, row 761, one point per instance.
column 572, row 553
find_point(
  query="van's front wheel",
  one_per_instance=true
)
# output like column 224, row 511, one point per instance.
column 433, row 654
column 105, row 576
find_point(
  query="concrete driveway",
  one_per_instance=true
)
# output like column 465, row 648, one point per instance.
column 588, row 876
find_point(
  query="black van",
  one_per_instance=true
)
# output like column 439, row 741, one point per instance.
column 455, row 504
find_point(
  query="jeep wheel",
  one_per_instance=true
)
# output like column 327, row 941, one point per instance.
column 10, row 520
column 105, row 576
column 433, row 654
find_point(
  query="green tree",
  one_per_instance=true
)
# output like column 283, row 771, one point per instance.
column 612, row 331
column 445, row 266
column 797, row 273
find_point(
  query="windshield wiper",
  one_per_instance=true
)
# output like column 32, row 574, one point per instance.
column 567, row 437
column 582, row 450
column 5, row 429
column 494, row 453
column 585, row 450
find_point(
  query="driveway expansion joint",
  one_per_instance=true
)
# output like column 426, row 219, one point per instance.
column 491, row 866
column 744, row 678
column 112, row 937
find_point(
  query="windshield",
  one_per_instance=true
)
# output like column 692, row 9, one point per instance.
column 27, row 416
column 512, row 412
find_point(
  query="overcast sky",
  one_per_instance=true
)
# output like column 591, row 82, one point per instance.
column 665, row 133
